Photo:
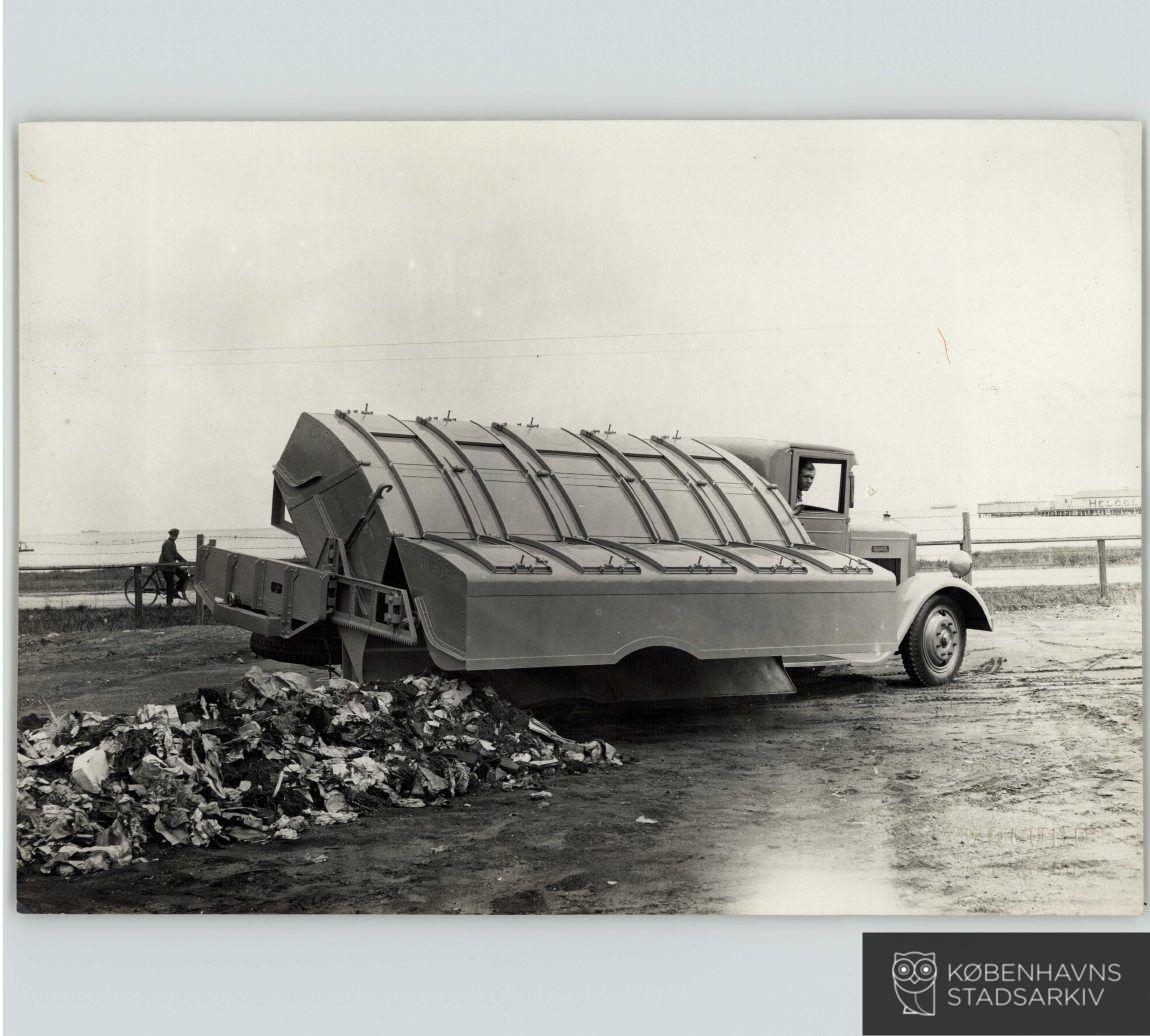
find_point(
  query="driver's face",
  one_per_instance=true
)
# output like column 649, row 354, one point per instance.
column 806, row 478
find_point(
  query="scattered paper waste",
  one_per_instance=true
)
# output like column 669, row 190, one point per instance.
column 645, row 820
column 90, row 769
column 268, row 759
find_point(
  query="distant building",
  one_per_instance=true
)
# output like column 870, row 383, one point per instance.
column 1084, row 502
column 1098, row 501
column 1004, row 508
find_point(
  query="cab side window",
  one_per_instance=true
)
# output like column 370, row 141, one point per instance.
column 820, row 486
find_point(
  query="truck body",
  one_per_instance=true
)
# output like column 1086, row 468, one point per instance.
column 514, row 548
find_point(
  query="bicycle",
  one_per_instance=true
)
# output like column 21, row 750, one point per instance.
column 152, row 585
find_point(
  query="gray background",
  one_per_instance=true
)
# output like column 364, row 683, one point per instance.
column 259, row 60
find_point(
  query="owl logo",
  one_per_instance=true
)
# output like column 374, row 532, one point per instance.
column 914, row 976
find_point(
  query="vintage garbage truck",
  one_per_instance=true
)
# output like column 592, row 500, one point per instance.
column 585, row 564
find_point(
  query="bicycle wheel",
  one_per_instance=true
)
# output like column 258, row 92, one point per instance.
column 150, row 589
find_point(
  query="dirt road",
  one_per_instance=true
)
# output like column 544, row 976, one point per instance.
column 1016, row 790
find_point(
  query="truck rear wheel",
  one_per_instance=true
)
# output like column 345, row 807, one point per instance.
column 935, row 643
column 313, row 648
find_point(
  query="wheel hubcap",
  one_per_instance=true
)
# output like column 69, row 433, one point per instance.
column 940, row 638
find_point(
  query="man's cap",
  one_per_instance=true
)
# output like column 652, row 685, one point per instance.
column 173, row 532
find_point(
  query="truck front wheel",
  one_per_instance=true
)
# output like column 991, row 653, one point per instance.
column 935, row 643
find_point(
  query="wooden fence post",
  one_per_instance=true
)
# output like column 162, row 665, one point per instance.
column 196, row 572
column 1103, row 584
column 966, row 545
column 138, row 593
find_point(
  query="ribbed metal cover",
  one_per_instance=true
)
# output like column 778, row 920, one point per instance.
column 582, row 527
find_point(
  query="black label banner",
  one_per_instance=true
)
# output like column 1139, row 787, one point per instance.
column 1057, row 983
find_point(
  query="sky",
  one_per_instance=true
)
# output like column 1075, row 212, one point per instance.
column 957, row 302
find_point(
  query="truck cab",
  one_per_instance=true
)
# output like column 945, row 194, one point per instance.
column 819, row 484
column 935, row 609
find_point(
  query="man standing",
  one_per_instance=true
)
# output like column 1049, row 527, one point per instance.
column 175, row 576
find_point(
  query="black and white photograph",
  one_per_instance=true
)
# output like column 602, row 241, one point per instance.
column 580, row 517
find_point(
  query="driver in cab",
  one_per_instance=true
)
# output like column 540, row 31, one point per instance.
column 806, row 480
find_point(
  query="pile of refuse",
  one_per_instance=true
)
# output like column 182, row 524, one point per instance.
column 267, row 759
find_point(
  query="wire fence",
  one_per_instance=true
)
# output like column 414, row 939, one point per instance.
column 136, row 588
column 129, row 548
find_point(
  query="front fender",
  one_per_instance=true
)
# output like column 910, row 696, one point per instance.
column 917, row 590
